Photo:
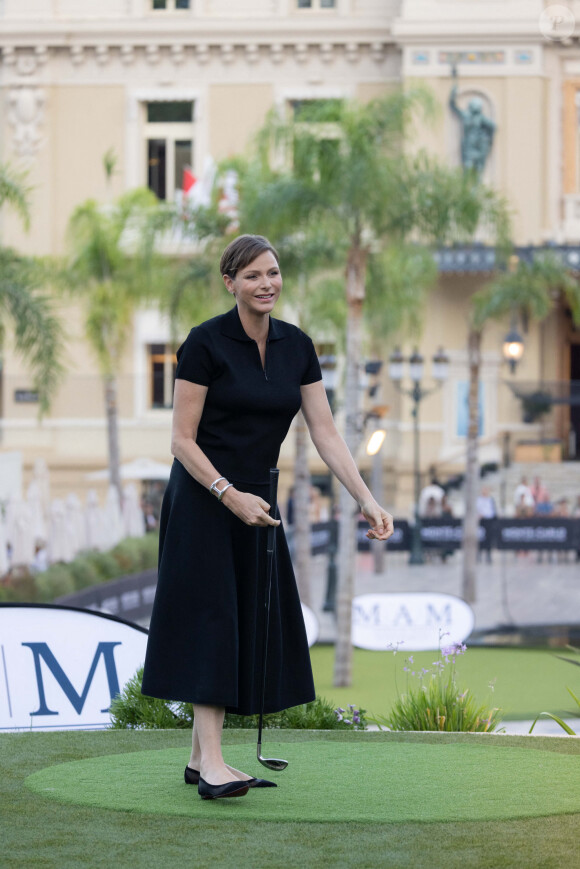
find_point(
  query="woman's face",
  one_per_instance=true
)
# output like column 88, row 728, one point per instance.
column 257, row 287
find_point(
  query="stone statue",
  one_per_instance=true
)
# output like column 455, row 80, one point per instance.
column 476, row 131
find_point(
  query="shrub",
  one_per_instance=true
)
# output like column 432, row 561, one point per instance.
column 54, row 582
column 19, row 587
column 105, row 565
column 435, row 702
column 84, row 572
column 132, row 709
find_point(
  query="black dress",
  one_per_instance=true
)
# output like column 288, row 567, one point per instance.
column 206, row 634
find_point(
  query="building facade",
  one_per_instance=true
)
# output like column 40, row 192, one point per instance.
column 169, row 83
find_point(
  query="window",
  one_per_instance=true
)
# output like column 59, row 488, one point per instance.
column 316, row 4
column 170, row 4
column 169, row 135
column 162, row 365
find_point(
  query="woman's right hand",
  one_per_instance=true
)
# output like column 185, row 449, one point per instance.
column 251, row 509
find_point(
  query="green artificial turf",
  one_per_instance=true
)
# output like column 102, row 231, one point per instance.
column 48, row 834
column 525, row 681
column 372, row 782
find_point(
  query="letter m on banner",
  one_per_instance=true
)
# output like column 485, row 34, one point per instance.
column 42, row 652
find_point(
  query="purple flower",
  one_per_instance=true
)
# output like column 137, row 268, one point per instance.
column 338, row 715
column 346, row 721
column 340, row 709
column 410, row 659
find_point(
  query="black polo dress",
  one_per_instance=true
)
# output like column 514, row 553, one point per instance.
column 206, row 634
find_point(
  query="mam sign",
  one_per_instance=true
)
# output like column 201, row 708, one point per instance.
column 416, row 621
column 60, row 667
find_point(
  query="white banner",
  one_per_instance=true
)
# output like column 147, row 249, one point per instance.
column 60, row 667
column 412, row 622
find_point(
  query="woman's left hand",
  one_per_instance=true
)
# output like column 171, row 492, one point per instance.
column 380, row 521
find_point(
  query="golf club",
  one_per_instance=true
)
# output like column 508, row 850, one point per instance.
column 270, row 762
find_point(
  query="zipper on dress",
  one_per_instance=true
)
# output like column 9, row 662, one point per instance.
column 264, row 366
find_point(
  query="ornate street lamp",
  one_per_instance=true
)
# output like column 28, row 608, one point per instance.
column 513, row 348
column 417, row 393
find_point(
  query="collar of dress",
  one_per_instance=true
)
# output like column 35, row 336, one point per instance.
column 231, row 326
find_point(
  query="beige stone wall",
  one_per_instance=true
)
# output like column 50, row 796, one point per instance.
column 80, row 125
column 236, row 112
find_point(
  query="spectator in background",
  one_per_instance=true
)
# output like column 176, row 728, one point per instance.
column 485, row 504
column 486, row 509
column 524, row 503
column 544, row 506
column 432, row 508
column 539, row 492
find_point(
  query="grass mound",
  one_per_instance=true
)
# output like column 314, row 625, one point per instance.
column 367, row 781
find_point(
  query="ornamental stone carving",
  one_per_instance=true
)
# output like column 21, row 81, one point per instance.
column 102, row 54
column 377, row 52
column 177, row 54
column 326, row 52
column 252, row 53
column 301, row 52
column 277, row 52
column 352, row 52
column 25, row 114
column 127, row 55
column 227, row 53
column 202, row 53
column 152, row 54
column 77, row 55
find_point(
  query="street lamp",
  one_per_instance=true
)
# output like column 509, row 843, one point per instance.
column 417, row 393
column 513, row 348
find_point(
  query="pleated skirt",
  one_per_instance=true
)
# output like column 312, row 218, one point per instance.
column 206, row 637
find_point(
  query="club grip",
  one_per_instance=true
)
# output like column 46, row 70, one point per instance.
column 273, row 501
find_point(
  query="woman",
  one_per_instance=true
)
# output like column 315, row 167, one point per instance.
column 240, row 379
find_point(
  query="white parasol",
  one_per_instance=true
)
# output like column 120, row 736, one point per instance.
column 94, row 531
column 139, row 469
column 60, row 544
column 19, row 530
column 113, row 519
column 132, row 513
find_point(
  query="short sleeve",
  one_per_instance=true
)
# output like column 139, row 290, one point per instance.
column 194, row 361
column 312, row 372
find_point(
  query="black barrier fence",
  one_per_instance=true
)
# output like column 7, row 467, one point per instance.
column 131, row 597
column 447, row 533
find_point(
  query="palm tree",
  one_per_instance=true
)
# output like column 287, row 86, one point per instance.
column 344, row 170
column 112, row 274
column 36, row 331
column 530, row 290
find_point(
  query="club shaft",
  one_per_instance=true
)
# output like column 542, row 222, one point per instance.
column 271, row 546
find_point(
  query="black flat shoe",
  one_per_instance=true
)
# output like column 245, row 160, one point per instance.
column 191, row 777
column 215, row 792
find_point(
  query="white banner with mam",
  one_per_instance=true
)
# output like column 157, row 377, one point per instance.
column 60, row 667
column 415, row 621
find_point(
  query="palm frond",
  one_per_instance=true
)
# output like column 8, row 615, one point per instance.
column 15, row 192
column 37, row 332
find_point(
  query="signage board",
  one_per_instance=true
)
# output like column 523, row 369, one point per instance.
column 412, row 622
column 60, row 667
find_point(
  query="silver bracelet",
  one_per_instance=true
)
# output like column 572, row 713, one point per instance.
column 213, row 488
column 221, row 491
